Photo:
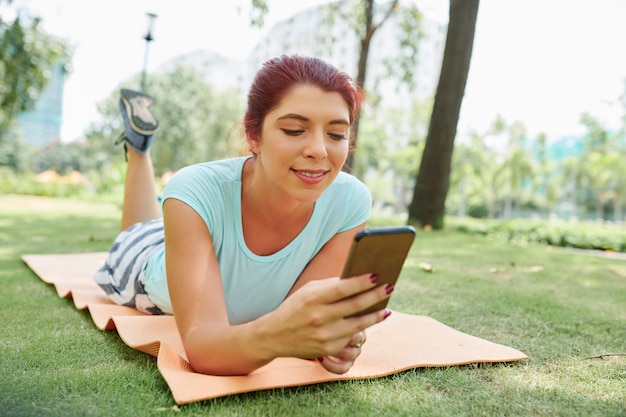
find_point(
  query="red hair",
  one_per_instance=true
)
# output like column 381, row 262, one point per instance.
column 279, row 75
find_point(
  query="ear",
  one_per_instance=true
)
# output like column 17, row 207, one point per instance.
column 254, row 144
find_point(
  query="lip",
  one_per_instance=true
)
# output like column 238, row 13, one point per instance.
column 310, row 176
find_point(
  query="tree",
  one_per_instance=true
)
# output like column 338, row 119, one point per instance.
column 431, row 185
column 27, row 56
column 14, row 153
column 546, row 181
column 599, row 167
column 365, row 24
column 389, row 150
column 518, row 169
column 472, row 171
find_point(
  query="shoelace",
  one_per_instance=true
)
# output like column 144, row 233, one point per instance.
column 122, row 139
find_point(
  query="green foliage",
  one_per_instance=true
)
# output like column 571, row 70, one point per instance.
column 25, row 183
column 411, row 31
column 258, row 13
column 195, row 119
column 195, row 125
column 391, row 141
column 502, row 172
column 62, row 158
column 195, row 122
column 365, row 19
column 106, row 186
column 578, row 235
column 27, row 56
column 14, row 152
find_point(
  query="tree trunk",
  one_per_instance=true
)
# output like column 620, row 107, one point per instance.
column 364, row 51
column 433, row 178
column 365, row 36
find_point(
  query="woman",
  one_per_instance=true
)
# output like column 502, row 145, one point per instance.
column 246, row 252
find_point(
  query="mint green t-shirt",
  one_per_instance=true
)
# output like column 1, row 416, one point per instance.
column 254, row 285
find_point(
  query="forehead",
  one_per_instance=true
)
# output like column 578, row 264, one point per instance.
column 312, row 102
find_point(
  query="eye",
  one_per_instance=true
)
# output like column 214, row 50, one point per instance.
column 291, row 132
column 338, row 136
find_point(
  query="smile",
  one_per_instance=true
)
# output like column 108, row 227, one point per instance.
column 310, row 177
column 311, row 174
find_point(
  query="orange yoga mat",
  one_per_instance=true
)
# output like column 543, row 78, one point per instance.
column 399, row 343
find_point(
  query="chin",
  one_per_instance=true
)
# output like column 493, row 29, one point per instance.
column 309, row 196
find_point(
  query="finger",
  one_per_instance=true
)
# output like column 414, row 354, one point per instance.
column 345, row 288
column 348, row 353
column 335, row 365
column 352, row 350
column 358, row 303
column 363, row 322
column 357, row 339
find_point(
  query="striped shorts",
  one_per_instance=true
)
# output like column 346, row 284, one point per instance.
column 122, row 275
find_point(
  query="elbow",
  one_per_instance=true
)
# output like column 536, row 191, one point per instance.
column 219, row 363
column 214, row 351
column 216, row 367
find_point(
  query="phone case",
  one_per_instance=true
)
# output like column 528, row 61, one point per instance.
column 381, row 251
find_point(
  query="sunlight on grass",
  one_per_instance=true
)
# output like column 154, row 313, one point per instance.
column 557, row 306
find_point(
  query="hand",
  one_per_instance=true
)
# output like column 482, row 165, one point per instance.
column 344, row 360
column 316, row 320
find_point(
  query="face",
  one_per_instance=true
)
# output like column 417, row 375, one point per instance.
column 304, row 143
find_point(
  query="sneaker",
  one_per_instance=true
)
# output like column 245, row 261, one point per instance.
column 139, row 122
column 137, row 105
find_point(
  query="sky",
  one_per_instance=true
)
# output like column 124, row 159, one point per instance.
column 540, row 62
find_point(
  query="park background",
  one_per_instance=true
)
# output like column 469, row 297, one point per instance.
column 540, row 133
column 530, row 255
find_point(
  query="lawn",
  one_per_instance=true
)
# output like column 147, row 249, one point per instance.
column 562, row 308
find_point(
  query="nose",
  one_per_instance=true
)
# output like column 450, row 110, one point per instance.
column 316, row 146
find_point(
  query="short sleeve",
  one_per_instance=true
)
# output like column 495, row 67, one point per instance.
column 193, row 187
column 359, row 203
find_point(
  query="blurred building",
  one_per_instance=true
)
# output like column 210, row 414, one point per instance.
column 43, row 124
column 221, row 73
column 308, row 33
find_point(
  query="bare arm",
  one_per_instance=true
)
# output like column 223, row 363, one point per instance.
column 310, row 323
column 196, row 292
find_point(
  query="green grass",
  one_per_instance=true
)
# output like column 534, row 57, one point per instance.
column 557, row 306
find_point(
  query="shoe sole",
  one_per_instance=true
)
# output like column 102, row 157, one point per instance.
column 137, row 107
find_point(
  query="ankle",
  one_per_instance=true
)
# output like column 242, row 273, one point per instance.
column 132, row 154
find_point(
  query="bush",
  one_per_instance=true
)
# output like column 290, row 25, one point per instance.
column 581, row 235
column 26, row 183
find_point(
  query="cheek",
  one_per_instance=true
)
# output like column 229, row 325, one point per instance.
column 339, row 149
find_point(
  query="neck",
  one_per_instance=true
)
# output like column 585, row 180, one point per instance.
column 270, row 218
column 269, row 204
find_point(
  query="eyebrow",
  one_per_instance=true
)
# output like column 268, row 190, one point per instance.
column 306, row 119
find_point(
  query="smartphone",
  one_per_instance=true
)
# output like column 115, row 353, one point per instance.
column 380, row 251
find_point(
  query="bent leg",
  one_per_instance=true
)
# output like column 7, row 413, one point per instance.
column 140, row 199
column 140, row 125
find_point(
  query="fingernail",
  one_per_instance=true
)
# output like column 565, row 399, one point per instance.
column 387, row 314
column 389, row 288
column 321, row 359
column 374, row 278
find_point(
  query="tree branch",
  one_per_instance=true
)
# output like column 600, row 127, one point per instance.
column 387, row 15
